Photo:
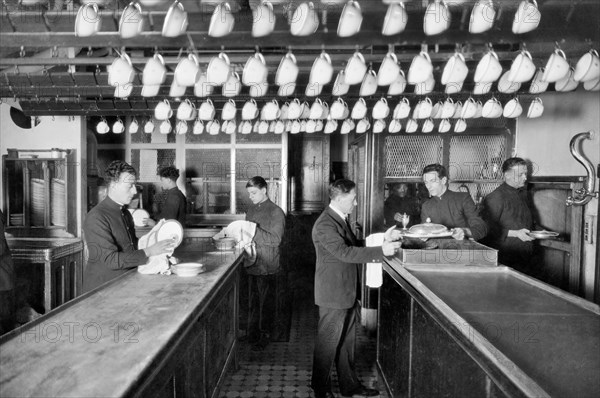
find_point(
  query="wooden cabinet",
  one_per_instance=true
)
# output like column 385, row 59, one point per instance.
column 40, row 193
column 310, row 165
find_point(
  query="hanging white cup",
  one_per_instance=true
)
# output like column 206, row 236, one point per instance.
column 536, row 108
column 229, row 110
column 316, row 109
column 448, row 108
column 369, row 84
column 482, row 16
column 411, row 125
column 395, row 19
column 522, row 68
column 506, row 86
column 455, row 70
column 176, row 20
column 425, row 87
column 181, row 127
column 420, row 69
column 121, row 72
column 359, row 110
column 402, row 109
column 394, row 126
column 232, row 85
column 263, row 19
column 488, row 68
column 163, row 110
column 186, row 110
column 350, row 19
column 206, row 111
column 249, row 110
column 337, row 109
column 588, row 67
column 512, row 109
column 88, row 21
column 203, row 88
column 437, row 18
column 398, row 85
column 131, row 22
column 557, row 67
column 155, row 71
column 255, row 70
column 270, row 110
column 460, row 126
column 381, row 110
column 339, row 86
column 567, row 83
column 287, row 72
column 427, row 126
column 187, row 71
column 305, row 20
column 218, row 69
column 165, row 127
column 222, row 21
column 527, row 17
column 492, row 109
column 356, row 68
column 118, row 127
column 388, row 70
column 322, row 70
column 444, row 126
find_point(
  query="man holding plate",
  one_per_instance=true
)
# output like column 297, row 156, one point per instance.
column 508, row 214
column 452, row 209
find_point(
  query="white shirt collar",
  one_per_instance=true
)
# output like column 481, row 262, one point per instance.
column 338, row 212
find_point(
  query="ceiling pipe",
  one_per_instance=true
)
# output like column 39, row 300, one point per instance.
column 583, row 195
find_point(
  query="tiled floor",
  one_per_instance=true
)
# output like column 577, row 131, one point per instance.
column 284, row 369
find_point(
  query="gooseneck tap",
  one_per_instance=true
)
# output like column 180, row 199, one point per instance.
column 583, row 195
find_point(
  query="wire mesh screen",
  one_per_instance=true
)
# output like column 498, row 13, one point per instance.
column 148, row 162
column 487, row 188
column 405, row 156
column 269, row 138
column 208, row 187
column 470, row 188
column 257, row 162
column 476, row 157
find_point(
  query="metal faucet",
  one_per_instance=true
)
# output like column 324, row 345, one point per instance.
column 583, row 195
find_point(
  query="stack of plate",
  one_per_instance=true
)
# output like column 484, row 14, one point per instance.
column 16, row 219
column 58, row 213
column 38, row 193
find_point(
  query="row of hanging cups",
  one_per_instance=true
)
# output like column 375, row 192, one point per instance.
column 305, row 19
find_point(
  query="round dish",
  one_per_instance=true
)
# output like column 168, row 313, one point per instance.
column 421, row 236
column 187, row 269
column 427, row 229
column 225, row 243
column 169, row 230
column 543, row 234
column 138, row 217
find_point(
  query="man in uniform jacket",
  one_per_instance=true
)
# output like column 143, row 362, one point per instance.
column 336, row 277
column 109, row 232
column 449, row 208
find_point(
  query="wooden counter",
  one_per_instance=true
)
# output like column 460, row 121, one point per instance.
column 140, row 335
column 484, row 332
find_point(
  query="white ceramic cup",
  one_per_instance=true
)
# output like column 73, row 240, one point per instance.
column 218, row 69
column 425, row 87
column 363, row 125
column 198, row 127
column 322, row 70
column 369, row 84
column 163, row 110
column 245, row 127
column 379, row 126
column 557, row 67
column 381, row 110
column 592, row 85
column 427, row 126
column 232, row 86
column 420, row 68
column 203, row 88
column 347, row 126
column 444, row 126
column 185, row 110
column 187, row 71
column 567, row 83
column 123, row 91
column 313, row 89
column 270, row 111
column 453, row 88
column 350, row 19
column 522, row 68
column 181, row 127
column 436, row 112
column 305, row 110
column 249, row 110
column 588, row 67
column 527, row 17
column 296, row 127
column 88, row 21
column 149, row 127
column 316, row 109
column 460, row 126
column 398, row 85
column 482, row 88
column 457, row 109
column 229, row 110
column 305, row 20
column 131, row 22
column 359, row 110
column 488, row 68
column 411, row 125
column 176, row 20
column 176, row 91
column 230, row 127
column 455, row 70
column 538, row 85
column 512, row 109
column 263, row 19
column 448, row 108
column 263, row 127
column 339, row 86
column 394, row 126
column 121, row 71
column 423, row 109
column 492, row 109
column 206, row 111
column 118, row 126
column 214, row 127
column 279, row 127
column 165, row 127
column 337, row 109
column 506, row 86
column 155, row 71
column 355, row 70
column 286, row 90
column 134, row 126
column 287, row 72
column 469, row 108
column 395, row 19
column 330, row 126
column 402, row 109
column 388, row 70
column 482, row 16
column 536, row 108
column 259, row 89
column 437, row 18
column 255, row 70
column 294, row 109
column 221, row 21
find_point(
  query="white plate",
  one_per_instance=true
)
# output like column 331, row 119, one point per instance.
column 187, row 269
column 138, row 216
column 439, row 235
column 169, row 230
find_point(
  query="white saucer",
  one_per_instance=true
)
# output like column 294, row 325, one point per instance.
column 138, row 217
column 169, row 230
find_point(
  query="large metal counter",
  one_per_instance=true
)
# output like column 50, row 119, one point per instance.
column 472, row 331
column 138, row 335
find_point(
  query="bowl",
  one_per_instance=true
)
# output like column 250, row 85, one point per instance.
column 187, row 269
column 224, row 243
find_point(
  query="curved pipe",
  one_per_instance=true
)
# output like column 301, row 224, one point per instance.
column 584, row 195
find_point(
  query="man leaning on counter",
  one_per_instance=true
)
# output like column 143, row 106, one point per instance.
column 452, row 209
column 109, row 232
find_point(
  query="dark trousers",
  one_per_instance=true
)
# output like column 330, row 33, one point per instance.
column 261, row 306
column 336, row 335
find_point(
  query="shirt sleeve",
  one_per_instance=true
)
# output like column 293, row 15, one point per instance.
column 493, row 208
column 269, row 232
column 475, row 222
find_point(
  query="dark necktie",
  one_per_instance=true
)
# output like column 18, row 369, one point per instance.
column 129, row 225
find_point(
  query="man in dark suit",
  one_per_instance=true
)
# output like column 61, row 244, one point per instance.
column 336, row 276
